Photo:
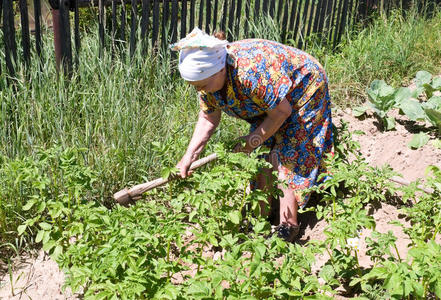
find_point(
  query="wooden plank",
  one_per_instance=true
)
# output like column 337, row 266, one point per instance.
column 280, row 9
column 184, row 18
column 9, row 36
column 113, row 24
column 343, row 22
column 272, row 8
column 337, row 23
column 284, row 21
column 37, row 16
column 265, row 8
column 331, row 20
column 238, row 16
column 174, row 22
column 230, row 20
column 192, row 14
column 322, row 19
column 201, row 14
column 215, row 9
column 25, row 39
column 133, row 27
column 207, row 16
column 247, row 17
column 66, row 44
column 165, row 15
column 304, row 24
column 298, row 14
column 145, row 20
column 318, row 15
column 155, row 31
column 256, row 11
column 77, row 38
column 100, row 26
column 312, row 16
column 224, row 16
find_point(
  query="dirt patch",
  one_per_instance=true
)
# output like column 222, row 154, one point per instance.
column 34, row 277
column 40, row 278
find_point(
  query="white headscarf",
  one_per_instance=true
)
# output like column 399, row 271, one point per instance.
column 200, row 55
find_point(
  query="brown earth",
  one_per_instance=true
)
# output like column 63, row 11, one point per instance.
column 38, row 277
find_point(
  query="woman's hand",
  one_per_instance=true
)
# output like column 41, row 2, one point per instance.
column 184, row 165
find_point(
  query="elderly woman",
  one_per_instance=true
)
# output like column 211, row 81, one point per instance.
column 282, row 92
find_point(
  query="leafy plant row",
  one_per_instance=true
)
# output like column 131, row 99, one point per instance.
column 203, row 238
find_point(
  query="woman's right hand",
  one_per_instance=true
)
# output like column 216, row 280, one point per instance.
column 184, row 165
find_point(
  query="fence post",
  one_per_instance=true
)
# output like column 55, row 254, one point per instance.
column 9, row 36
column 25, row 39
column 133, row 28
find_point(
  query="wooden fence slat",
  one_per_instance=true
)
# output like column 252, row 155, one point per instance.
column 312, row 16
column 100, row 25
column 330, row 25
column 224, row 15
column 297, row 9
column 66, row 44
column 207, row 16
column 183, row 18
column 77, row 37
column 113, row 25
column 284, row 21
column 272, row 8
column 145, row 21
column 318, row 16
column 230, row 20
column 25, row 39
column 337, row 23
column 133, row 27
column 215, row 10
column 174, row 22
column 165, row 15
column 201, row 14
column 247, row 18
column 256, row 11
column 238, row 16
column 192, row 14
column 155, row 23
column 37, row 16
column 9, row 36
column 279, row 10
column 265, row 7
column 304, row 24
column 343, row 22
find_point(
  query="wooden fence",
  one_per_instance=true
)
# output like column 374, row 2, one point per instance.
column 163, row 21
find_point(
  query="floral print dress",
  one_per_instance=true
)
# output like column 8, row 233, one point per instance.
column 261, row 73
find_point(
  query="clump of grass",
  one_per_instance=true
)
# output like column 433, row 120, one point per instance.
column 392, row 48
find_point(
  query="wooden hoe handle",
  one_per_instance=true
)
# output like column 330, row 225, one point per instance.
column 126, row 196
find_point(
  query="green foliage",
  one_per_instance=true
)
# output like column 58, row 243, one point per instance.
column 383, row 97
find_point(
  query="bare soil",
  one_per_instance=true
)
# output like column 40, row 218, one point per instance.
column 38, row 277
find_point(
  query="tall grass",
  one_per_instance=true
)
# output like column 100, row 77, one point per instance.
column 392, row 48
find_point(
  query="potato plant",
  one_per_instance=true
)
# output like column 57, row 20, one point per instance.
column 203, row 238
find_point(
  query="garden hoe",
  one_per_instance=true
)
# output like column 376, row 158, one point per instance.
column 127, row 197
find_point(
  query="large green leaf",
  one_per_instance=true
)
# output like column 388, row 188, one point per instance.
column 412, row 109
column 422, row 77
column 418, row 140
column 381, row 95
column 433, row 103
column 434, row 117
column 404, row 93
column 436, row 83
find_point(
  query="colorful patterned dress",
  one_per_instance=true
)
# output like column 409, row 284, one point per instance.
column 260, row 74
